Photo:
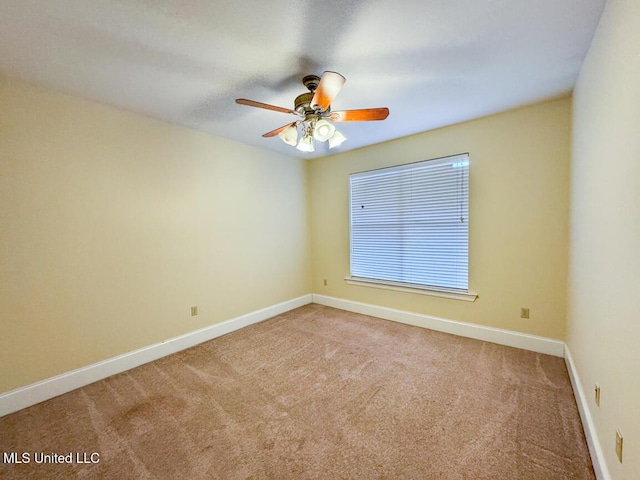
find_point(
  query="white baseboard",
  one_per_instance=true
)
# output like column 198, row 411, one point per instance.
column 23, row 397
column 509, row 338
column 595, row 450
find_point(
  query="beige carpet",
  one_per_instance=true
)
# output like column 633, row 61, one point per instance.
column 315, row 393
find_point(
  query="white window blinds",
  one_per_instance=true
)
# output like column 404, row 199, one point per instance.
column 410, row 224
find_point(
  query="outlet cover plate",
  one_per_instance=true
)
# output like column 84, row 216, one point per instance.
column 619, row 445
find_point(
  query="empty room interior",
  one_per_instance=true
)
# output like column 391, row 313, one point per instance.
column 190, row 287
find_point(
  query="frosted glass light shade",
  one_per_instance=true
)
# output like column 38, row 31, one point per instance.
column 306, row 144
column 289, row 135
column 323, row 130
column 336, row 139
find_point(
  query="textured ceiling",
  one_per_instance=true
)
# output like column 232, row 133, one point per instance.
column 432, row 62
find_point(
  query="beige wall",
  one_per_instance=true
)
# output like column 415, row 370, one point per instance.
column 519, row 181
column 112, row 225
column 603, row 332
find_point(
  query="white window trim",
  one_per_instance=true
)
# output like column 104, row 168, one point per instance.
column 411, row 288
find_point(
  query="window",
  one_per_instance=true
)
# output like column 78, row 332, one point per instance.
column 410, row 225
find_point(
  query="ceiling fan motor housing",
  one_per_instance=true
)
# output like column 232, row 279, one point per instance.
column 303, row 103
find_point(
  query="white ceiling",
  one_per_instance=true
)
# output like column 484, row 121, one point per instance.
column 432, row 62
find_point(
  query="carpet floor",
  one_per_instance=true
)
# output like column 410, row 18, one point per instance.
column 315, row 393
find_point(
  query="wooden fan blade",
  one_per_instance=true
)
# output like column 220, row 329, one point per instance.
column 266, row 106
column 329, row 86
column 275, row 132
column 364, row 115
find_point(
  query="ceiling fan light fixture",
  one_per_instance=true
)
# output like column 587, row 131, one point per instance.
column 306, row 144
column 336, row 139
column 323, row 130
column 315, row 115
column 289, row 135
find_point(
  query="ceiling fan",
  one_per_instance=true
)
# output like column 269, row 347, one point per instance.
column 316, row 118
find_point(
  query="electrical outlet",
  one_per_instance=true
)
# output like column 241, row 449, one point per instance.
column 597, row 395
column 325, row 282
column 524, row 313
column 194, row 311
column 619, row 445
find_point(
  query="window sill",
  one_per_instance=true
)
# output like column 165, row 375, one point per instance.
column 403, row 287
